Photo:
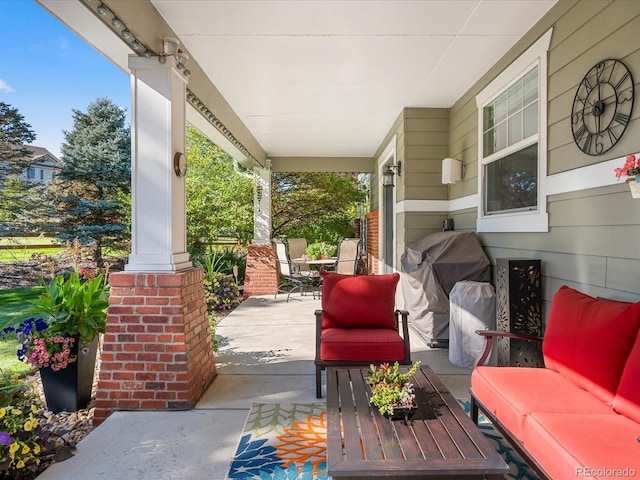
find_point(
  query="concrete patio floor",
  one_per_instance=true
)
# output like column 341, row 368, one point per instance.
column 266, row 356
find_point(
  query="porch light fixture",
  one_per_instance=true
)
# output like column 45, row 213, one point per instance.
column 452, row 171
column 387, row 176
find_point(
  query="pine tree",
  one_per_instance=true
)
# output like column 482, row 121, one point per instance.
column 15, row 158
column 15, row 133
column 91, row 194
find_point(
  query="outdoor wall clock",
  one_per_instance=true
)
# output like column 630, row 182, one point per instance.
column 179, row 164
column 602, row 107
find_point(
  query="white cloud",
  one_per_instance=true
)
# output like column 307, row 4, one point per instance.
column 4, row 86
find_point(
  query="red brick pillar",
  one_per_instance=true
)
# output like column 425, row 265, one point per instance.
column 157, row 351
column 261, row 276
column 373, row 252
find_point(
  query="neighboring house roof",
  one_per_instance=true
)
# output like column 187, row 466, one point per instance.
column 42, row 156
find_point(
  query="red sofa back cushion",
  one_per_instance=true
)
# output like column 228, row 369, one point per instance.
column 588, row 340
column 627, row 401
column 358, row 301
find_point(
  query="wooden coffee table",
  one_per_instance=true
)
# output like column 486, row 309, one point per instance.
column 440, row 441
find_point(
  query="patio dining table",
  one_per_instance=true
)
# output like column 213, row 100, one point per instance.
column 323, row 263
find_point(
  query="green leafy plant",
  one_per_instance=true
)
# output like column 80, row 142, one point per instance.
column 390, row 388
column 73, row 305
column 24, row 443
column 320, row 249
column 222, row 262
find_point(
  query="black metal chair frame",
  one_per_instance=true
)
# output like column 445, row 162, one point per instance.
column 290, row 280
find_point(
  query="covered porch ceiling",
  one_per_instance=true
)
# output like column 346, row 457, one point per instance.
column 312, row 78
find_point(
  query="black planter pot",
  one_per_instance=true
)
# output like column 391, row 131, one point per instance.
column 402, row 413
column 69, row 389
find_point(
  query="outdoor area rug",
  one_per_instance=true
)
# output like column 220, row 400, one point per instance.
column 287, row 441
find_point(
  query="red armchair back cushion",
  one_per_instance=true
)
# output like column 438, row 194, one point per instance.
column 627, row 401
column 358, row 301
column 588, row 340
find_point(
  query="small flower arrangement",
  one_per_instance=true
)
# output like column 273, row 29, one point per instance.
column 631, row 168
column 390, row 388
column 42, row 347
column 221, row 292
column 24, row 444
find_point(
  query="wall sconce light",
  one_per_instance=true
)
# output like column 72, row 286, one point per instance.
column 452, row 170
column 387, row 175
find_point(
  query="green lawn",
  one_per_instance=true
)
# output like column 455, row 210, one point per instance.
column 12, row 303
column 24, row 254
column 9, row 362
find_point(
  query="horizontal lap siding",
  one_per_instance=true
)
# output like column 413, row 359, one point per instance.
column 592, row 243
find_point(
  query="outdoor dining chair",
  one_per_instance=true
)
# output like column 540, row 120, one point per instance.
column 348, row 252
column 297, row 248
column 290, row 280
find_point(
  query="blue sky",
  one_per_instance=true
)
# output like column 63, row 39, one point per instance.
column 46, row 70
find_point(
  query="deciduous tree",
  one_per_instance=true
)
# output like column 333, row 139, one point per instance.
column 219, row 194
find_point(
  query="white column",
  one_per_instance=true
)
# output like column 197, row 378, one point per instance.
column 262, row 205
column 158, row 118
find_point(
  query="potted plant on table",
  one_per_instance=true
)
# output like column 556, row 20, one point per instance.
column 61, row 339
column 631, row 169
column 391, row 390
column 319, row 250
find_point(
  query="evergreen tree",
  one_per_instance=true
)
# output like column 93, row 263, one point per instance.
column 15, row 133
column 15, row 158
column 91, row 195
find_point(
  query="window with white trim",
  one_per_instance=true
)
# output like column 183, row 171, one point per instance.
column 512, row 145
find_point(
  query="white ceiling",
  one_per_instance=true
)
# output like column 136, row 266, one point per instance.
column 329, row 78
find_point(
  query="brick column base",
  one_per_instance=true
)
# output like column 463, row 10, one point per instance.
column 261, row 277
column 157, row 352
column 373, row 253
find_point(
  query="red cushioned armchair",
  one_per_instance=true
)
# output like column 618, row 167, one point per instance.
column 357, row 324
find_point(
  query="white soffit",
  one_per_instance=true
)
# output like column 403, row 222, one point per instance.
column 329, row 78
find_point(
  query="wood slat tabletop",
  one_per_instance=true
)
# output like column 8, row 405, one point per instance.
column 440, row 441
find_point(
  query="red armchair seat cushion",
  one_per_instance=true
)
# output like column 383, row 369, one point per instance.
column 362, row 301
column 589, row 340
column 568, row 444
column 511, row 393
column 363, row 344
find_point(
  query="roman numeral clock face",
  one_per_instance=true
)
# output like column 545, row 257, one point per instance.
column 602, row 107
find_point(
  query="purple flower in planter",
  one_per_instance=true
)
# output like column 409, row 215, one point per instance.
column 5, row 438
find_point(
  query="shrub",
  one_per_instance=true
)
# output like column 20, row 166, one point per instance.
column 221, row 292
column 222, row 262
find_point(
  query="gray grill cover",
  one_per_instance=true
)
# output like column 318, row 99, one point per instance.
column 430, row 269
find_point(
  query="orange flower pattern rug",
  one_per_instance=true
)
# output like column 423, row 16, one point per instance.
column 288, row 441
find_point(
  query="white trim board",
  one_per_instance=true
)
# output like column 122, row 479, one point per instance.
column 592, row 176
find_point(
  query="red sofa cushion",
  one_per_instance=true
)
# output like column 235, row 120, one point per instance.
column 627, row 400
column 588, row 340
column 358, row 301
column 511, row 393
column 364, row 344
column 578, row 446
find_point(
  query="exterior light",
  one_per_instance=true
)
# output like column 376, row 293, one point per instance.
column 387, row 177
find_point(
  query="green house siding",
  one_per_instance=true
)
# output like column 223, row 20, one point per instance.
column 592, row 242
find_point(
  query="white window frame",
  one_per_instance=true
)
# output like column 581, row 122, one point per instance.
column 521, row 221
